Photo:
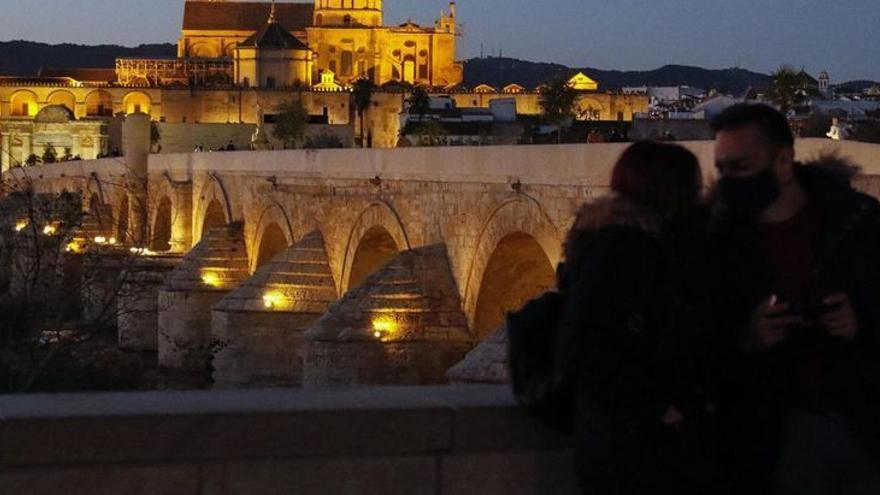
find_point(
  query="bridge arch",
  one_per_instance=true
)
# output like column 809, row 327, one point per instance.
column 213, row 208
column 274, row 234
column 99, row 217
column 160, row 239
column 377, row 236
column 514, row 260
column 123, row 233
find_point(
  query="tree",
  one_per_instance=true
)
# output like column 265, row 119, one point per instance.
column 155, row 134
column 419, row 102
column 61, row 290
column 431, row 133
column 362, row 94
column 558, row 104
column 789, row 88
column 290, row 123
column 49, row 154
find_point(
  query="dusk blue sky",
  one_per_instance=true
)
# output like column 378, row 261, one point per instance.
column 837, row 35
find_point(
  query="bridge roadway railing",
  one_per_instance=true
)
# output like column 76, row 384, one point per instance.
column 575, row 164
column 423, row 440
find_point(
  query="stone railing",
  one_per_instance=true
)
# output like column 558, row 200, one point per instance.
column 76, row 169
column 424, row 440
column 568, row 164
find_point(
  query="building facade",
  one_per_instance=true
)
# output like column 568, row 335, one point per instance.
column 238, row 61
column 345, row 37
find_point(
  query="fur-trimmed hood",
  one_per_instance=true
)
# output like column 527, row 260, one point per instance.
column 607, row 211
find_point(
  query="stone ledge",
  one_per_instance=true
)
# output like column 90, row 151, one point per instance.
column 47, row 430
column 105, row 480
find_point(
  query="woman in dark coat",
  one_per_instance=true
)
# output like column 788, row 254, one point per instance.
column 633, row 329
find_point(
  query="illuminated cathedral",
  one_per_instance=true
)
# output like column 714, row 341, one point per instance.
column 269, row 45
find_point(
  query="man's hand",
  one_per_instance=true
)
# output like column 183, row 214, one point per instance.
column 840, row 320
column 770, row 323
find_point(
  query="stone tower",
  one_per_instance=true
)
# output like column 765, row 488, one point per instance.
column 348, row 13
column 825, row 84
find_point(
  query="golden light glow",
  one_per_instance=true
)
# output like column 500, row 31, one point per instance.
column 74, row 247
column 100, row 240
column 50, row 229
column 21, row 225
column 111, row 241
column 273, row 299
column 384, row 326
column 142, row 251
column 211, row 279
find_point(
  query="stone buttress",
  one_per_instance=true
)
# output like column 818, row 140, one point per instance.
column 214, row 267
column 487, row 363
column 138, row 301
column 404, row 325
column 261, row 324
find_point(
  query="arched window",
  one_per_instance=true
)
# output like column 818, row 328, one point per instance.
column 346, row 20
column 99, row 104
column 24, row 104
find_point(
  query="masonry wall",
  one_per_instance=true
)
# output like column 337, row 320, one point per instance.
column 408, row 441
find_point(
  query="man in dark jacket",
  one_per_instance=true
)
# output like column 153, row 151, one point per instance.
column 798, row 311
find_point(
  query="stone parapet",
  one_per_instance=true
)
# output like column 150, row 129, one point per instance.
column 423, row 440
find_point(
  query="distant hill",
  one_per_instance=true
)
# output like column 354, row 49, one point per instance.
column 497, row 71
column 855, row 86
column 25, row 58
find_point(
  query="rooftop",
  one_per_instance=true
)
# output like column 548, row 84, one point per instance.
column 244, row 16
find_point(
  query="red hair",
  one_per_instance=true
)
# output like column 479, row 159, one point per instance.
column 662, row 176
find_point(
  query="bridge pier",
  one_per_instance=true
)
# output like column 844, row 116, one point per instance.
column 262, row 322
column 487, row 363
column 138, row 302
column 403, row 325
column 213, row 268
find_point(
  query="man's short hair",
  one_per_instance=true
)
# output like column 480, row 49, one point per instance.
column 772, row 123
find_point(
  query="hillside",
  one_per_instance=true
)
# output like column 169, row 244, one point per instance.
column 25, row 58
column 497, row 71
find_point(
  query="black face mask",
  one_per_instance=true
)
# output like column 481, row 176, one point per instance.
column 748, row 197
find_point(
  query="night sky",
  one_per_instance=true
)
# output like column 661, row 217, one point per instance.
column 760, row 35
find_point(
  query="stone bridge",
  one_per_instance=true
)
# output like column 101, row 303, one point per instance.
column 339, row 267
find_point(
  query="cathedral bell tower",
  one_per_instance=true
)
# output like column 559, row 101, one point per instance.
column 348, row 13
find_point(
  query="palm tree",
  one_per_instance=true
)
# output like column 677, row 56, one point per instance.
column 362, row 94
column 789, row 88
column 558, row 104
